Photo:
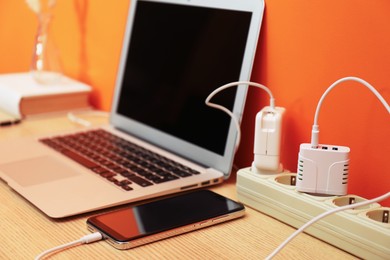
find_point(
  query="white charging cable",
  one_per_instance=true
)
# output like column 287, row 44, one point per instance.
column 315, row 129
column 87, row 239
column 227, row 111
column 326, row 213
column 76, row 119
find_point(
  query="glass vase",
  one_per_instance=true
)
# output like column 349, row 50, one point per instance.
column 46, row 65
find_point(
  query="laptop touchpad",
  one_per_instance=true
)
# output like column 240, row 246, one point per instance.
column 37, row 170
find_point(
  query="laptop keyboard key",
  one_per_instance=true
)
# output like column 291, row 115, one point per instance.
column 80, row 159
column 99, row 170
column 181, row 173
column 140, row 181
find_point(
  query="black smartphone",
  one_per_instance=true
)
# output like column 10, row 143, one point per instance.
column 153, row 221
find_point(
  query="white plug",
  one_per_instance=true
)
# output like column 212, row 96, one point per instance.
column 323, row 170
column 268, row 140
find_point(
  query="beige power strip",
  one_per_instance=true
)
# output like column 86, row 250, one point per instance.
column 363, row 231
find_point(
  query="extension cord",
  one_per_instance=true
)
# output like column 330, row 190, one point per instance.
column 364, row 231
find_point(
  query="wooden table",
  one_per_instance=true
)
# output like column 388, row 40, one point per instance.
column 26, row 232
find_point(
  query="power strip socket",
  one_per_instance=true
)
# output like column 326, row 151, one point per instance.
column 363, row 231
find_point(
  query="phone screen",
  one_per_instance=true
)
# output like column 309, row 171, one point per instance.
column 162, row 215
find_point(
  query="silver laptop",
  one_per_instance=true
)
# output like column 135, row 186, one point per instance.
column 162, row 138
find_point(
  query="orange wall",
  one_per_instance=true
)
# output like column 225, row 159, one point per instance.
column 304, row 47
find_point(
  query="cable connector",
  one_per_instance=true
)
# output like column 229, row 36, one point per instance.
column 315, row 131
column 87, row 239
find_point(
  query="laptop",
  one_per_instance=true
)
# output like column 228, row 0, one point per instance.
column 175, row 53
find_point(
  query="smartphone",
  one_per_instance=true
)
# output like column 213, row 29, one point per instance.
column 156, row 220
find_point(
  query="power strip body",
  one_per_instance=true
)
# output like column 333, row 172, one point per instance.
column 349, row 230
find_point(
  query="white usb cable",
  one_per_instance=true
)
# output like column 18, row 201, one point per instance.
column 78, row 120
column 90, row 238
column 315, row 129
column 227, row 111
column 326, row 213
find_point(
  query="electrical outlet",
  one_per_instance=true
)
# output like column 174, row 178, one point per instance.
column 363, row 231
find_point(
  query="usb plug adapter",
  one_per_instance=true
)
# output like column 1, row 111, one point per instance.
column 268, row 138
column 323, row 170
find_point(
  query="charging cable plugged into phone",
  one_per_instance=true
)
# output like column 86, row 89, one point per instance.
column 156, row 220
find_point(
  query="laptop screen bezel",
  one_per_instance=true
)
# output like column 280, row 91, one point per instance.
column 175, row 145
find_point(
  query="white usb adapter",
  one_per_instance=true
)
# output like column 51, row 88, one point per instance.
column 268, row 140
column 323, row 169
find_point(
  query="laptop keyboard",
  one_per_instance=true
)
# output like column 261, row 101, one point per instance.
column 119, row 161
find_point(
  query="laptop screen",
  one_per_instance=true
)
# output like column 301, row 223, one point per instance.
column 175, row 54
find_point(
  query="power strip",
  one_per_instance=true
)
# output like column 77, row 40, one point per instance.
column 363, row 231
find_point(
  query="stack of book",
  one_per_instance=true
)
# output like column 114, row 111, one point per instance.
column 22, row 96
